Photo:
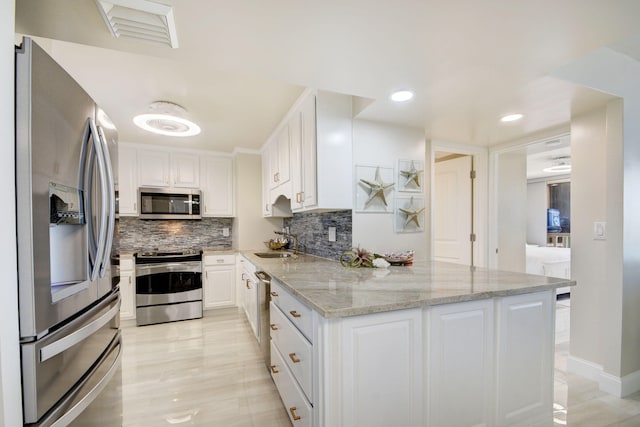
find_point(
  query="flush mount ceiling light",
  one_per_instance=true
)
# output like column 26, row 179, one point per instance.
column 401, row 95
column 166, row 118
column 140, row 19
column 560, row 165
column 511, row 118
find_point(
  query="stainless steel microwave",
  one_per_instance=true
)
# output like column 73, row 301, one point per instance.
column 169, row 203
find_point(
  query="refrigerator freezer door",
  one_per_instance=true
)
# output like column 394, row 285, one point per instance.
column 54, row 365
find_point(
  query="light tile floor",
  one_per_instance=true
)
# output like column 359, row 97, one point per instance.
column 209, row 372
column 578, row 401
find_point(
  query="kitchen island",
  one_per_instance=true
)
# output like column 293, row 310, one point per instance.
column 432, row 344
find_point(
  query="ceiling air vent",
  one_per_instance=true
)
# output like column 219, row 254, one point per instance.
column 140, row 19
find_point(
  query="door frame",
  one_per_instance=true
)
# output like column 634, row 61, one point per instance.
column 480, row 194
column 493, row 196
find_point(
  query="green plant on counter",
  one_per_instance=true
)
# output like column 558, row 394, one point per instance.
column 357, row 257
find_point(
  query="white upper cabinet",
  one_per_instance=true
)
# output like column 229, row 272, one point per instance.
column 161, row 168
column 154, row 168
column 319, row 130
column 127, row 181
column 216, row 179
column 141, row 166
column 185, row 170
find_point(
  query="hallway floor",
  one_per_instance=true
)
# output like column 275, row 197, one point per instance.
column 578, row 401
column 209, row 372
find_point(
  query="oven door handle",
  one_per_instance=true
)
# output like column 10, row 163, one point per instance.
column 175, row 267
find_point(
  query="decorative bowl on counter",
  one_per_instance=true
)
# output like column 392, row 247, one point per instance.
column 399, row 258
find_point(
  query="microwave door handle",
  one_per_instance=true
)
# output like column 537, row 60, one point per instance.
column 111, row 204
column 102, row 233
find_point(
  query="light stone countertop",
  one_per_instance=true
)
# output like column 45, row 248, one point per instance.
column 336, row 291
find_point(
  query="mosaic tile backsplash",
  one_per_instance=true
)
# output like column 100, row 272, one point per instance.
column 136, row 234
column 312, row 231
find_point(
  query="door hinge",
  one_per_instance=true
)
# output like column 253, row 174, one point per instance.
column 472, row 174
column 472, row 237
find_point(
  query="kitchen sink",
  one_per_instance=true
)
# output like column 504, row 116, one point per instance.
column 274, row 254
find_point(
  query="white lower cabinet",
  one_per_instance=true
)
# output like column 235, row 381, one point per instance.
column 127, row 287
column 477, row 363
column 219, row 281
column 460, row 351
column 525, row 348
column 249, row 294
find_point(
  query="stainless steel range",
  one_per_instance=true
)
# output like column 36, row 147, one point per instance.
column 168, row 286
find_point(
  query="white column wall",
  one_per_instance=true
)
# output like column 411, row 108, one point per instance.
column 250, row 228
column 614, row 297
column 11, row 407
column 537, row 213
column 380, row 144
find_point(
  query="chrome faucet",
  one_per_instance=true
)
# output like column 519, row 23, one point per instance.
column 293, row 236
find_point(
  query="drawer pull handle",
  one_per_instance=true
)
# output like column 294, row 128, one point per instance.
column 274, row 327
column 293, row 358
column 273, row 369
column 295, row 313
column 293, row 413
column 274, row 294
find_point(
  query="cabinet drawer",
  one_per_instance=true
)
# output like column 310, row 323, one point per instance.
column 294, row 348
column 297, row 406
column 297, row 312
column 126, row 263
column 219, row 259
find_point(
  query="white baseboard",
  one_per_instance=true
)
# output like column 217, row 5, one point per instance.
column 617, row 386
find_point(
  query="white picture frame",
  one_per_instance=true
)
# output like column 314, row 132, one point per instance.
column 410, row 176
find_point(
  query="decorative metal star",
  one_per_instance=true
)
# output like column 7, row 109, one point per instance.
column 377, row 188
column 412, row 214
column 412, row 175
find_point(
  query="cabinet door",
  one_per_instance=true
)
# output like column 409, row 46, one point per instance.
column 525, row 359
column 219, row 289
column 284, row 151
column 127, row 294
column 250, row 303
column 217, row 186
column 266, row 184
column 297, row 168
column 153, row 168
column 185, row 170
column 308, row 157
column 127, row 181
column 381, row 369
column 460, row 364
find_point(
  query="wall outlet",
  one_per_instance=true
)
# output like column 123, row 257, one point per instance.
column 332, row 234
column 225, row 232
column 599, row 230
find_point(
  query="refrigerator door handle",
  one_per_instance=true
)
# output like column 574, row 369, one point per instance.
column 93, row 153
column 74, row 338
column 111, row 213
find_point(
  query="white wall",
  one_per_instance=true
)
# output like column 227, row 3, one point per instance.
column 378, row 144
column 250, row 229
column 11, row 407
column 537, row 213
column 605, row 320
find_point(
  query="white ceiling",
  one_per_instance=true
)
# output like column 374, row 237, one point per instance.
column 241, row 64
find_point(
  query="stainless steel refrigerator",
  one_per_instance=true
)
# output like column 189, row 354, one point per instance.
column 69, row 299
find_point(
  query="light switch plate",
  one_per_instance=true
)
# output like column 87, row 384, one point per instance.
column 225, row 232
column 599, row 230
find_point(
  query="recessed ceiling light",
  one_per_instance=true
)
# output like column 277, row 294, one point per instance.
column 511, row 118
column 558, row 169
column 401, row 95
column 166, row 118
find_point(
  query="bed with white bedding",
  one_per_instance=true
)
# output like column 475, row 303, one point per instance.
column 549, row 261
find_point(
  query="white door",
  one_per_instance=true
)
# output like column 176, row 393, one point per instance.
column 452, row 211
